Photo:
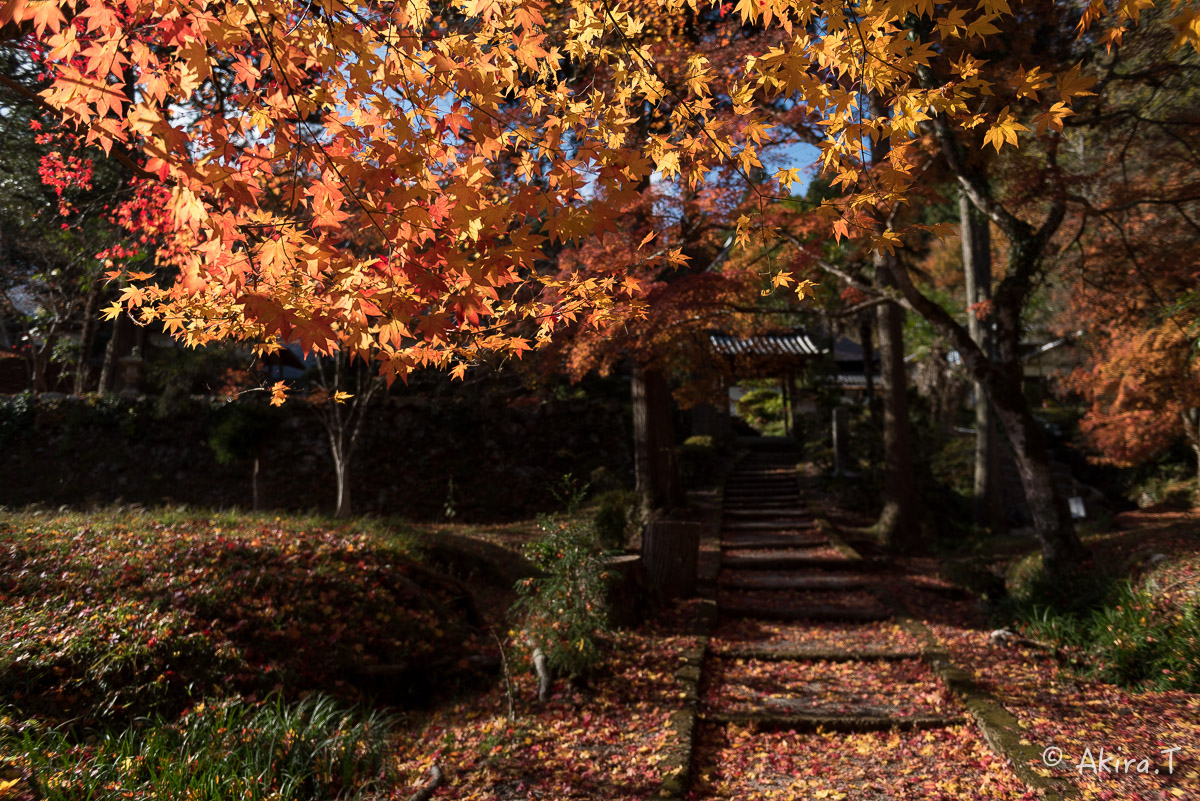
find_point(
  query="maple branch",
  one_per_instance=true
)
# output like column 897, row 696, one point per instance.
column 880, row 294
column 978, row 363
column 116, row 155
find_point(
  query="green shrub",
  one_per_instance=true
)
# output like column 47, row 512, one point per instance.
column 565, row 610
column 313, row 749
column 616, row 514
column 242, row 431
column 16, row 416
column 698, row 461
column 763, row 409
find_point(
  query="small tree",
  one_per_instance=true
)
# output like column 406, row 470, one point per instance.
column 344, row 390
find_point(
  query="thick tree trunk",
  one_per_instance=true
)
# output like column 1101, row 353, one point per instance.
column 897, row 526
column 977, row 269
column 1002, row 379
column 1061, row 549
column 658, row 483
column 898, row 523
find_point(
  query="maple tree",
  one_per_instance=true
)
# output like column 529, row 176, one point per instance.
column 1133, row 294
column 1130, row 275
column 449, row 140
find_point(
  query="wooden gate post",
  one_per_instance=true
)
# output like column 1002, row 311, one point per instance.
column 671, row 553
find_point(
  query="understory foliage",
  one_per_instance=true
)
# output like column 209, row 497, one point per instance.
column 565, row 609
column 311, row 749
column 1129, row 633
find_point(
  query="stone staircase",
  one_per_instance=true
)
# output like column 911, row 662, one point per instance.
column 784, row 575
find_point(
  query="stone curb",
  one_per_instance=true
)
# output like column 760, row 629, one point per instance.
column 835, row 539
column 677, row 766
column 1000, row 729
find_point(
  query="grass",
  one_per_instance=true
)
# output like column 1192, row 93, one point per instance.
column 312, row 749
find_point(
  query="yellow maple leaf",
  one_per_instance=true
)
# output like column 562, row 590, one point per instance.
column 1073, row 84
column 1004, row 130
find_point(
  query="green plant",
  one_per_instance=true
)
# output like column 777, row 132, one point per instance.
column 698, row 461
column 569, row 491
column 311, row 749
column 1173, row 485
column 615, row 515
column 17, row 415
column 450, row 505
column 243, row 432
column 565, row 610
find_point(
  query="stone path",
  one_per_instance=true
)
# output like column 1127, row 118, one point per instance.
column 808, row 666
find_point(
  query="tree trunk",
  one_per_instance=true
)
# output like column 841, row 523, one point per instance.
column 341, row 468
column 898, row 524
column 86, row 337
column 868, row 354
column 254, row 485
column 1061, row 549
column 117, row 346
column 1002, row 378
column 657, row 478
column 977, row 269
column 1191, row 426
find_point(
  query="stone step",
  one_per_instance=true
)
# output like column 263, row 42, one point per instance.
column 768, row 654
column 835, row 723
column 782, row 542
column 761, row 581
column 827, row 614
column 776, row 561
column 767, row 525
column 778, row 514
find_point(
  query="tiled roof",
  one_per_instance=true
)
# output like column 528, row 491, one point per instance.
column 795, row 343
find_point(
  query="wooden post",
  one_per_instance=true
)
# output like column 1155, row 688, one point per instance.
column 671, row 554
column 841, row 440
column 626, row 590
